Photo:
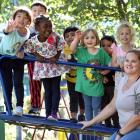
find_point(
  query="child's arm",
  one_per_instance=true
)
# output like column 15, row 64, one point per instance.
column 55, row 58
column 104, row 72
column 39, row 57
column 114, row 60
column 75, row 41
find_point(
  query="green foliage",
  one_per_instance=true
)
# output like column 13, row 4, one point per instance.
column 102, row 14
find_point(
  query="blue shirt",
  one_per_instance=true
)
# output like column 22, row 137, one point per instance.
column 11, row 43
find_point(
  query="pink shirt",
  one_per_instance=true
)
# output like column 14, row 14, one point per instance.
column 120, row 55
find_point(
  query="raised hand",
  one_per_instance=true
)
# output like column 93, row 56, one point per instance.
column 78, row 34
column 11, row 25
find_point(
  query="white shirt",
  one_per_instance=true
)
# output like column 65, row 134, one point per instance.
column 125, row 101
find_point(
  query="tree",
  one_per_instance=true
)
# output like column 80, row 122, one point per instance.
column 102, row 14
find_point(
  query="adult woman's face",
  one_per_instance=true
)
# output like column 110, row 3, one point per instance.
column 132, row 63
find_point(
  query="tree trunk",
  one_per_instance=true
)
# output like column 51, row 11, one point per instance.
column 122, row 10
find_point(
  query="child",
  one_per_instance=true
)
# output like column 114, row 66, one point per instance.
column 90, row 81
column 47, row 45
column 106, row 43
column 75, row 97
column 37, row 8
column 125, row 36
column 16, row 33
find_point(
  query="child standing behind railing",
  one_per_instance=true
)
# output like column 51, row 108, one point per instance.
column 16, row 33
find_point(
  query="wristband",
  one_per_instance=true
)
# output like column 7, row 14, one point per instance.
column 119, row 133
column 6, row 33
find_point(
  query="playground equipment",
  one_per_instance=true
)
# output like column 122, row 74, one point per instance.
column 39, row 122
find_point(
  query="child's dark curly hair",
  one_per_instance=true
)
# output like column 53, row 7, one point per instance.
column 70, row 29
column 42, row 18
column 109, row 38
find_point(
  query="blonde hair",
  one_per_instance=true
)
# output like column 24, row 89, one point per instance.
column 86, row 32
column 125, row 25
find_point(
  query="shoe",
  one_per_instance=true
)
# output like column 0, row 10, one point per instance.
column 53, row 117
column 8, row 113
column 18, row 111
column 34, row 111
column 81, row 117
column 73, row 120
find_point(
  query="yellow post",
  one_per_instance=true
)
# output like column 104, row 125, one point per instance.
column 62, row 136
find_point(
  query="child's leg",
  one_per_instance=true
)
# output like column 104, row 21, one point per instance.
column 55, row 88
column 35, row 88
column 6, row 73
column 106, row 100
column 81, row 116
column 88, row 107
column 18, row 73
column 73, row 99
column 96, row 105
column 81, row 103
column 115, row 116
column 48, row 95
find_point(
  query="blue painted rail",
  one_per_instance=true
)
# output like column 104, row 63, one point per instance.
column 29, row 57
column 40, row 122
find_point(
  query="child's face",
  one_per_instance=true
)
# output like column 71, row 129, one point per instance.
column 125, row 35
column 21, row 20
column 69, row 37
column 38, row 10
column 44, row 28
column 131, row 63
column 90, row 40
column 106, row 45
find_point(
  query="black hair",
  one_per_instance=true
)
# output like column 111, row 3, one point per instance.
column 39, row 4
column 70, row 29
column 109, row 38
column 42, row 18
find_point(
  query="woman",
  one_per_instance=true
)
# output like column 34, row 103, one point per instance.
column 126, row 101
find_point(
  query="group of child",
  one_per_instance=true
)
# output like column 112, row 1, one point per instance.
column 86, row 86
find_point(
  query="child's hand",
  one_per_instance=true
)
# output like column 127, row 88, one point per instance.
column 39, row 57
column 104, row 72
column 52, row 60
column 78, row 34
column 20, row 54
column 105, row 80
column 10, row 26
